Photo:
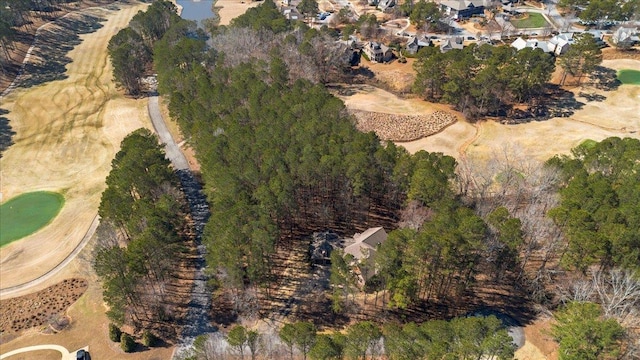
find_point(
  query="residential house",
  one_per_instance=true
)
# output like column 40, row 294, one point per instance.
column 292, row 13
column 560, row 43
column 364, row 249
column 625, row 36
column 377, row 52
column 385, row 4
column 450, row 43
column 521, row 43
column 322, row 245
column 416, row 43
column 462, row 9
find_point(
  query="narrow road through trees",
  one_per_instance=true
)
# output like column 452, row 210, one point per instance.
column 197, row 321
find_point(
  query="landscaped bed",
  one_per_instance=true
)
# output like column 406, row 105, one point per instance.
column 530, row 20
column 27, row 213
column 630, row 77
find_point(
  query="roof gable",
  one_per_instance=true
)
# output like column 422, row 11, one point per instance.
column 372, row 237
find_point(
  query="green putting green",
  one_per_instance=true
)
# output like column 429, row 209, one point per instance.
column 631, row 77
column 27, row 213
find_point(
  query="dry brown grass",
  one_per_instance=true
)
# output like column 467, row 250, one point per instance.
column 67, row 133
column 617, row 115
column 230, row 9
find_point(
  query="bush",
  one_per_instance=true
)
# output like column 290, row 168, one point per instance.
column 149, row 339
column 114, row 332
column 127, row 343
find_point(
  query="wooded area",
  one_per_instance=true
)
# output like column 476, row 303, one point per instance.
column 141, row 235
column 280, row 158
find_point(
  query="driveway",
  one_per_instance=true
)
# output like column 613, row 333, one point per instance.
column 64, row 353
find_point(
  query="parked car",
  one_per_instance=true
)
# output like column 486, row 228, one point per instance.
column 82, row 355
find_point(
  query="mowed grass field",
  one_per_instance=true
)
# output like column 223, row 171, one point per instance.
column 531, row 20
column 27, row 213
column 627, row 76
column 67, row 132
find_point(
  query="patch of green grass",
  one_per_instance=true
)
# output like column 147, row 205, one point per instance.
column 588, row 144
column 531, row 20
column 629, row 76
column 27, row 213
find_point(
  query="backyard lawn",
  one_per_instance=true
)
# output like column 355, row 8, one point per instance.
column 530, row 20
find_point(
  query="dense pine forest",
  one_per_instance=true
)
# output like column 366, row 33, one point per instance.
column 281, row 159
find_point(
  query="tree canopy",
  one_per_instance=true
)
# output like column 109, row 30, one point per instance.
column 600, row 206
column 481, row 80
column 584, row 335
column 143, row 218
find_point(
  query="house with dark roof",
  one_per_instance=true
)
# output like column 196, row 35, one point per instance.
column 377, row 52
column 364, row 249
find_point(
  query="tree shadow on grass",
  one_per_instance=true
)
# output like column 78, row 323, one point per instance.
column 51, row 48
column 605, row 79
column 6, row 133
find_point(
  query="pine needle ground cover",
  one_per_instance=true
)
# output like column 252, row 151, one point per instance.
column 630, row 77
column 27, row 213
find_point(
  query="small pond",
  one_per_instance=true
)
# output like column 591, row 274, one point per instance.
column 196, row 10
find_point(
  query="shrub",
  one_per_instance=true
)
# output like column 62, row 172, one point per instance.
column 149, row 339
column 127, row 343
column 114, row 332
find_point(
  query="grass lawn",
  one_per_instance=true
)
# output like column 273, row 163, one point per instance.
column 27, row 213
column 629, row 77
column 531, row 20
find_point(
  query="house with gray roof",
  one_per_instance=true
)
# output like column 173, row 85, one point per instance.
column 364, row 249
column 451, row 43
column 377, row 52
column 560, row 43
column 462, row 9
column 416, row 43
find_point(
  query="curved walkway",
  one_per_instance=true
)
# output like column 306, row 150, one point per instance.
column 42, row 278
column 64, row 353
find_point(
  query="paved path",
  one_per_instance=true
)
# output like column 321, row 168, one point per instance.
column 64, row 353
column 197, row 320
column 172, row 150
column 44, row 277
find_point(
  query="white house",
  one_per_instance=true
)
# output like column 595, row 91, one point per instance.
column 560, row 43
column 521, row 43
column 625, row 36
